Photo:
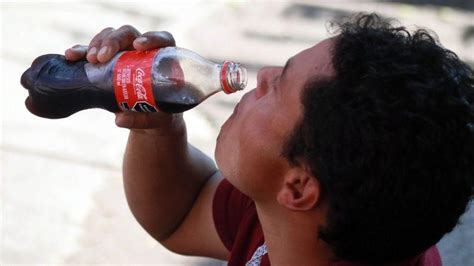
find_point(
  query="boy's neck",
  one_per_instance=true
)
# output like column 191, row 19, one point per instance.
column 292, row 237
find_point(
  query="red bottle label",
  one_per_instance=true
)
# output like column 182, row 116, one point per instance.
column 133, row 81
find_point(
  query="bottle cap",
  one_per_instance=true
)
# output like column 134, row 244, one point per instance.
column 233, row 77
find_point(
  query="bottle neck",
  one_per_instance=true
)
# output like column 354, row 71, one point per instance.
column 233, row 77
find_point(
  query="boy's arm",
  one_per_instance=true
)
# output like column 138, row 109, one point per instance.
column 169, row 184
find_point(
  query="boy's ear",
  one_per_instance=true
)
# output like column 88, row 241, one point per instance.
column 300, row 190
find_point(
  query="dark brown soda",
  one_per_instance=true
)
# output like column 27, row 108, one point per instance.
column 169, row 107
column 58, row 88
column 176, row 99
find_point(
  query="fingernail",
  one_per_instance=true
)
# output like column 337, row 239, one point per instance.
column 76, row 49
column 92, row 51
column 141, row 40
column 103, row 50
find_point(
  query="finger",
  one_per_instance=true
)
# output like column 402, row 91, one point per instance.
column 154, row 39
column 115, row 41
column 95, row 44
column 77, row 52
column 133, row 120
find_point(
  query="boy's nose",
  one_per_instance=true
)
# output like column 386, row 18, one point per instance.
column 264, row 76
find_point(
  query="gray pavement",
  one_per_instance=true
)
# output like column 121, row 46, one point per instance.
column 61, row 190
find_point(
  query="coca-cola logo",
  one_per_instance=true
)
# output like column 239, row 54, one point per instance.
column 138, row 84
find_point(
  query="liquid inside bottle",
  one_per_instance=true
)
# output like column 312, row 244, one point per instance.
column 58, row 88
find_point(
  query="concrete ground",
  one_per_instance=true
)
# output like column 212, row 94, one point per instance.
column 61, row 190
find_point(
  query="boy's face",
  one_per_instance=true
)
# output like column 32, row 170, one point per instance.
column 250, row 142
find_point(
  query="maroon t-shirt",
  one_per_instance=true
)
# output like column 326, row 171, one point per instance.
column 238, row 226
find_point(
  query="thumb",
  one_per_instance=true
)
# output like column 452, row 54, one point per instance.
column 137, row 120
column 124, row 119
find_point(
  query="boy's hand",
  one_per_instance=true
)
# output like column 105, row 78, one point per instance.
column 109, row 42
column 105, row 45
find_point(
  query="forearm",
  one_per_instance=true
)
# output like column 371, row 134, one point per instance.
column 163, row 174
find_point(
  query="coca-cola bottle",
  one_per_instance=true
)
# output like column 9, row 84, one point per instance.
column 169, row 79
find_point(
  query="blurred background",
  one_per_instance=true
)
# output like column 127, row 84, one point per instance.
column 61, row 191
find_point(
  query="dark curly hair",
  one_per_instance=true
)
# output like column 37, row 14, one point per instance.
column 390, row 139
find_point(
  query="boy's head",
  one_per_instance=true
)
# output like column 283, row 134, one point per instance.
column 376, row 124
